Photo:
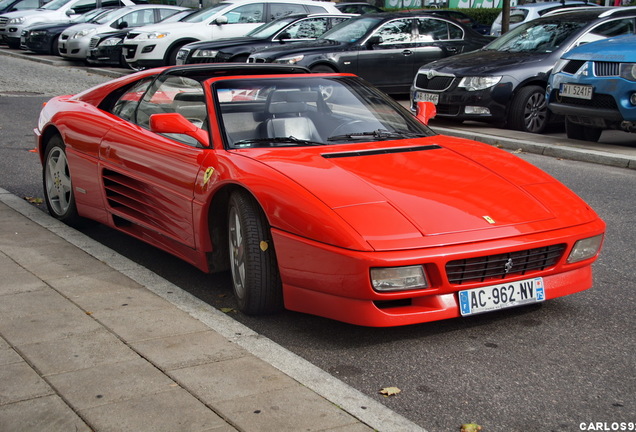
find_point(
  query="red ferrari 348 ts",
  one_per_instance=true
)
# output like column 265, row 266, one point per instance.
column 320, row 194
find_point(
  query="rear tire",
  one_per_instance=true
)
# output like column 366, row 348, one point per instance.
column 581, row 132
column 529, row 110
column 255, row 277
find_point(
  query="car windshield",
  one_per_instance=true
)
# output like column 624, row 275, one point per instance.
column 271, row 28
column 89, row 16
column 543, row 36
column 352, row 30
column 204, row 14
column 309, row 111
column 54, row 5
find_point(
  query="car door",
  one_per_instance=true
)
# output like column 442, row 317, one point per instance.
column 388, row 62
column 149, row 178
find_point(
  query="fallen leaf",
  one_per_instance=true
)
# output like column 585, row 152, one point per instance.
column 470, row 427
column 390, row 391
column 227, row 310
column 34, row 200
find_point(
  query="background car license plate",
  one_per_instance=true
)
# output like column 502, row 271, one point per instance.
column 576, row 91
column 427, row 97
column 501, row 296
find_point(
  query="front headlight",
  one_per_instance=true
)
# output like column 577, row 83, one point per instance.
column 18, row 20
column 83, row 33
column 289, row 60
column 628, row 71
column 398, row 278
column 153, row 35
column 479, row 83
column 111, row 42
column 205, row 53
column 585, row 249
column 37, row 33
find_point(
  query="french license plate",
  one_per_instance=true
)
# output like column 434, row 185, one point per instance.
column 428, row 97
column 576, row 91
column 505, row 295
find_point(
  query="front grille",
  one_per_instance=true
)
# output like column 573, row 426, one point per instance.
column 606, row 69
column 132, row 35
column 94, row 42
column 64, row 37
column 435, row 83
column 502, row 266
column 3, row 21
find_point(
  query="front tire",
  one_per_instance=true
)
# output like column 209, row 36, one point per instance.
column 58, row 184
column 255, row 277
column 529, row 110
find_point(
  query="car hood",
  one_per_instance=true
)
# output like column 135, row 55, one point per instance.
column 396, row 196
column 491, row 62
column 618, row 49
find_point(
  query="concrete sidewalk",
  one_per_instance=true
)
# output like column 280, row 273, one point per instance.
column 91, row 341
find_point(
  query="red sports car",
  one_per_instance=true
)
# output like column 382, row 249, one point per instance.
column 320, row 194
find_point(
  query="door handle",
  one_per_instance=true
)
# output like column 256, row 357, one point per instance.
column 407, row 52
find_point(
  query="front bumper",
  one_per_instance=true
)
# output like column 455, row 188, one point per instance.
column 334, row 283
column 609, row 106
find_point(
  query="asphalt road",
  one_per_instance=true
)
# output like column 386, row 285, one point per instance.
column 540, row 368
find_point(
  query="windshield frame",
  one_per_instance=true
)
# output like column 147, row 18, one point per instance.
column 374, row 116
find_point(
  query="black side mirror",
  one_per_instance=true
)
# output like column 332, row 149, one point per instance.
column 374, row 40
column 122, row 25
column 283, row 36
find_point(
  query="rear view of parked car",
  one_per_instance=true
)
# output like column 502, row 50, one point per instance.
column 504, row 83
column 594, row 87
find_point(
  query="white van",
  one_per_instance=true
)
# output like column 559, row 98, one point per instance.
column 12, row 23
column 158, row 44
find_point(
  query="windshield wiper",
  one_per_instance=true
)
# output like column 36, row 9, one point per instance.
column 258, row 142
column 378, row 134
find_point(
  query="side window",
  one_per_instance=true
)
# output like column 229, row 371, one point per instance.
column 165, row 13
column 316, row 9
column 277, row 10
column 84, row 6
column 174, row 94
column 429, row 29
column 608, row 29
column 26, row 4
column 135, row 19
column 396, row 32
column 251, row 13
column 309, row 28
column 126, row 106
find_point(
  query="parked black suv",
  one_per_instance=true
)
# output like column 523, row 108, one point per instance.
column 504, row 82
